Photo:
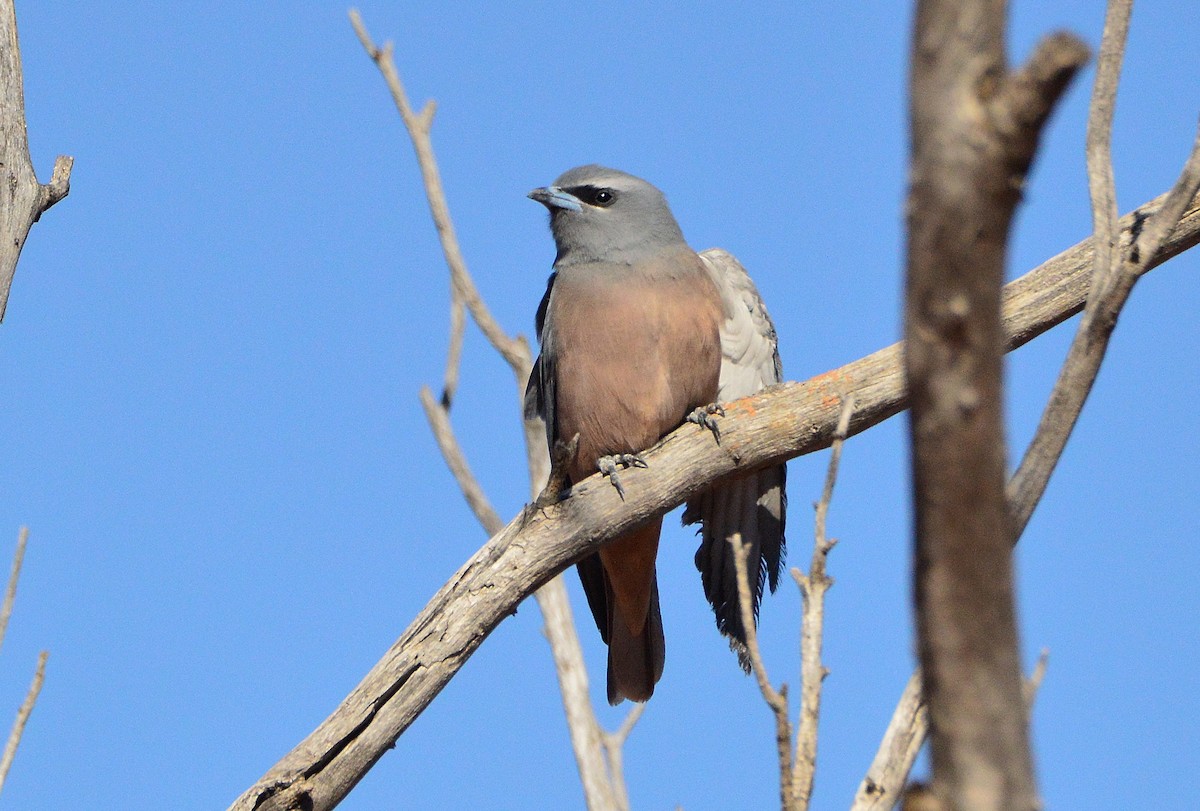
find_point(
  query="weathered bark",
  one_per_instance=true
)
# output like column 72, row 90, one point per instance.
column 974, row 129
column 781, row 423
column 25, row 199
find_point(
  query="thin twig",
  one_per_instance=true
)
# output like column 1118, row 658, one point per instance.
column 418, row 126
column 10, row 593
column 614, row 743
column 812, row 591
column 776, row 699
column 603, row 782
column 514, row 350
column 26, row 709
column 458, row 321
column 1114, row 274
column 443, row 433
column 1034, row 682
column 1152, row 239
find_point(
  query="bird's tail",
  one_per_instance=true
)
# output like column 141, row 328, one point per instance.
column 754, row 506
column 635, row 661
column 636, row 648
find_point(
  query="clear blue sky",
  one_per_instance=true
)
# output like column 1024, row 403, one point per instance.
column 214, row 345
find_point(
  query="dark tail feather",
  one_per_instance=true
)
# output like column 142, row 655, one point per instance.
column 591, row 576
column 635, row 662
column 755, row 505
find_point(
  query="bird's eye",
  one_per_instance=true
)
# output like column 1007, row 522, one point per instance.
column 603, row 198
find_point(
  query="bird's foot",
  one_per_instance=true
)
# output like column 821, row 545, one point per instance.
column 706, row 417
column 608, row 466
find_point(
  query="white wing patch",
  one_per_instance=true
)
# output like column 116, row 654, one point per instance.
column 749, row 347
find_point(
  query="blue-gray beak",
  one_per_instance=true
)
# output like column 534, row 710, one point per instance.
column 553, row 197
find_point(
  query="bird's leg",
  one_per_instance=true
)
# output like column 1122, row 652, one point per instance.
column 560, row 456
column 706, row 417
column 608, row 466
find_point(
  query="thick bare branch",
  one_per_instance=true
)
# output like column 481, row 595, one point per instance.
column 26, row 199
column 783, row 422
column 1114, row 269
column 812, row 625
column 975, row 129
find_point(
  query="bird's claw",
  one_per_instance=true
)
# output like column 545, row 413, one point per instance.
column 608, row 466
column 705, row 416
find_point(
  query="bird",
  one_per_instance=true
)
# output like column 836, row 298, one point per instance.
column 638, row 334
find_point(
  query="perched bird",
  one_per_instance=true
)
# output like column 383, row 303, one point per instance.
column 638, row 333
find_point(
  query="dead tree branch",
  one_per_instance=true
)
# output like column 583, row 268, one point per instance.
column 39, row 675
column 614, row 748
column 796, row 772
column 27, row 199
column 975, row 128
column 777, row 700
column 812, row 628
column 1119, row 262
column 602, row 780
column 909, row 724
column 1034, row 682
column 419, row 125
column 881, row 789
column 10, row 592
column 23, row 713
column 781, row 423
column 1125, row 253
column 905, row 735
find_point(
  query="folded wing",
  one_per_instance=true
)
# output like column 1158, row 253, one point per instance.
column 754, row 504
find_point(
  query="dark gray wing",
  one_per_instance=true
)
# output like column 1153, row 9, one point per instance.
column 539, row 402
column 755, row 503
column 539, row 391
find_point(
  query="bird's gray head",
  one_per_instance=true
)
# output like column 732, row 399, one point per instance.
column 604, row 215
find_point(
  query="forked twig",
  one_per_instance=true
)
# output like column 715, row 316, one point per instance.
column 603, row 783
column 776, row 699
column 1116, row 269
column 796, row 771
column 812, row 591
column 1116, row 265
